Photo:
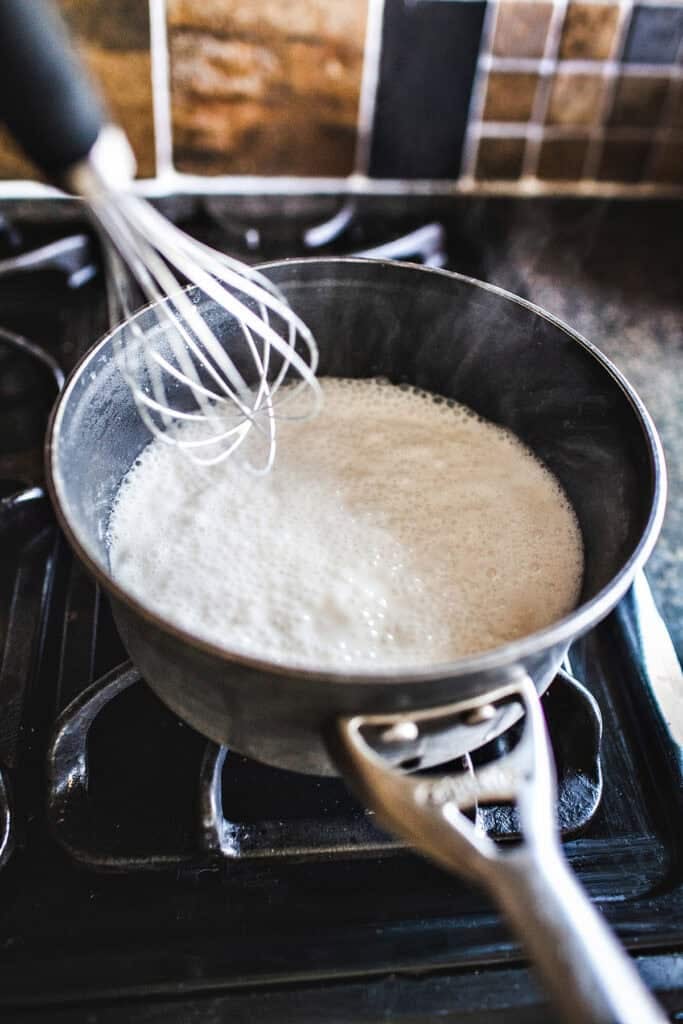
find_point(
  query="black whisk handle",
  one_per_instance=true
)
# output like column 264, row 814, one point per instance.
column 46, row 99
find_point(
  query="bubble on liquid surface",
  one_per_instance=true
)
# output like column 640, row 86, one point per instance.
column 394, row 530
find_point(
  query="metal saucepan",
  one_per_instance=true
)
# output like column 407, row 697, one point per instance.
column 519, row 367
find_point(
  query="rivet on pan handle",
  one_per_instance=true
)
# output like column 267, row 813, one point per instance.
column 589, row 976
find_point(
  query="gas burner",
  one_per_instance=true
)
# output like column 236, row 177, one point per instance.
column 426, row 245
column 350, row 232
column 71, row 256
column 23, row 511
column 311, row 817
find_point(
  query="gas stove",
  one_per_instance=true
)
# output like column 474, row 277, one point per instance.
column 146, row 873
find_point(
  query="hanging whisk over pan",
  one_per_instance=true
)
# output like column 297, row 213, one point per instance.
column 227, row 386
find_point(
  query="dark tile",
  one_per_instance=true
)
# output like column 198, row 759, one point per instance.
column 639, row 101
column 113, row 24
column 623, row 160
column 667, row 163
column 429, row 55
column 521, row 28
column 500, row 159
column 510, row 95
column 654, row 35
column 676, row 110
column 589, row 31
column 574, row 99
column 266, row 88
column 562, row 159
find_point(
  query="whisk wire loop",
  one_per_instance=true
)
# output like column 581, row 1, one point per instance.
column 180, row 372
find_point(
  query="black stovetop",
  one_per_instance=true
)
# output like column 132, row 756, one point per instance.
column 146, row 874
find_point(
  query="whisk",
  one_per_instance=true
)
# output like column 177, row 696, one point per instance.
column 210, row 391
column 173, row 356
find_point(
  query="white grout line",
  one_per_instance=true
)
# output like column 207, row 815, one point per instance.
column 611, row 71
column 522, row 129
column 161, row 88
column 506, row 130
column 185, row 184
column 542, row 98
column 545, row 66
column 468, row 159
column 249, row 185
column 367, row 103
column 645, row 70
column 489, row 62
column 642, row 70
column 312, row 187
column 641, row 3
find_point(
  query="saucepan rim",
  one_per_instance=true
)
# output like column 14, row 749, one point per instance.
column 559, row 633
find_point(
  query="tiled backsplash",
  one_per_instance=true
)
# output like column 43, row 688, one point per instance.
column 584, row 91
column 572, row 95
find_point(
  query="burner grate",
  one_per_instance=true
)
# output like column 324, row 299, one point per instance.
column 25, row 617
column 29, row 379
column 234, row 808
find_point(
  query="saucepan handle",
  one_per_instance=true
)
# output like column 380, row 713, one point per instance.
column 589, row 976
column 586, row 972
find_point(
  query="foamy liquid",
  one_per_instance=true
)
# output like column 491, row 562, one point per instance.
column 394, row 530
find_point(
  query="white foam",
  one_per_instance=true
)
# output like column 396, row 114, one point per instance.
column 394, row 529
